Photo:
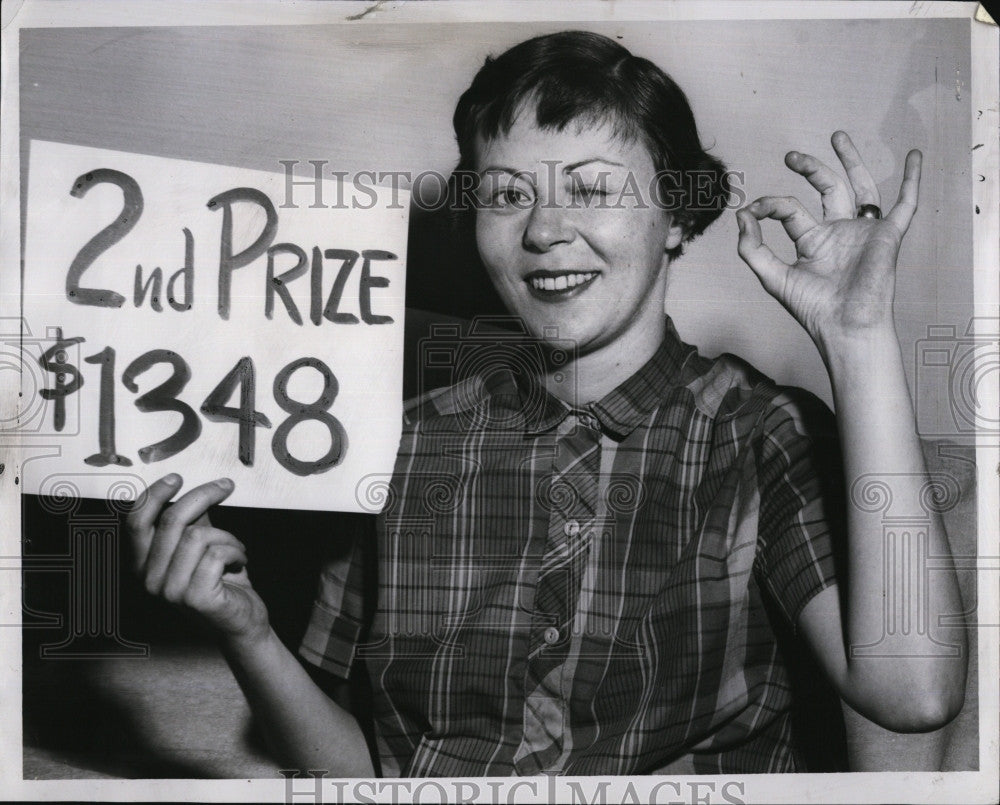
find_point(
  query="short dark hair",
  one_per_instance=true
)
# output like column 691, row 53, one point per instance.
column 586, row 77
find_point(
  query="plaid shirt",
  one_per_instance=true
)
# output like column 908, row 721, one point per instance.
column 590, row 591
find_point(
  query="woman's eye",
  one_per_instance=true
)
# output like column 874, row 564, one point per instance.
column 508, row 197
column 590, row 191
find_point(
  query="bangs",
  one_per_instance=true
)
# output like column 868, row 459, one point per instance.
column 587, row 101
column 567, row 78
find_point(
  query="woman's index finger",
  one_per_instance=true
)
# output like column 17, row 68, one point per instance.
column 835, row 194
column 194, row 505
column 150, row 504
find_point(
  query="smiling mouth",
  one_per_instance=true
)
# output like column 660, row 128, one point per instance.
column 550, row 284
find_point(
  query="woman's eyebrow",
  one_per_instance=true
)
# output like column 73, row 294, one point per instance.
column 503, row 169
column 574, row 165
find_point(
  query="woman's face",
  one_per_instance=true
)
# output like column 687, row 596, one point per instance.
column 570, row 235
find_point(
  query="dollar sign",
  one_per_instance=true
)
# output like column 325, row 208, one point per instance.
column 54, row 360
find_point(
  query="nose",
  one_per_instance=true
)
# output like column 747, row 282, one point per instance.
column 547, row 226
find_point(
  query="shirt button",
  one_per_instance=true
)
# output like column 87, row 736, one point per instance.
column 572, row 528
column 551, row 635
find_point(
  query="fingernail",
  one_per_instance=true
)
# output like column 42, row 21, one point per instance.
column 172, row 480
column 224, row 483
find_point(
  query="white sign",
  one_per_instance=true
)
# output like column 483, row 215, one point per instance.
column 191, row 318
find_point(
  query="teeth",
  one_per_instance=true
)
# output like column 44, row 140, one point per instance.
column 562, row 282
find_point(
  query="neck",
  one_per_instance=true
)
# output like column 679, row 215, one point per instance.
column 594, row 374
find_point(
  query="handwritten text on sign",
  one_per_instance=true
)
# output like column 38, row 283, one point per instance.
column 193, row 325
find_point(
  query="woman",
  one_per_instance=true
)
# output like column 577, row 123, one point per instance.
column 601, row 587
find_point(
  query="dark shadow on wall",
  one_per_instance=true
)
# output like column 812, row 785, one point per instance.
column 444, row 272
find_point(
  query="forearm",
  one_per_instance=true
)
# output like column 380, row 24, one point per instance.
column 898, row 656
column 303, row 726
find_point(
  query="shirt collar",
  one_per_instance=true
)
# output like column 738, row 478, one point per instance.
column 620, row 411
column 521, row 400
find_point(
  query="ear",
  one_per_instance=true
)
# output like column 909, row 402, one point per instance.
column 675, row 234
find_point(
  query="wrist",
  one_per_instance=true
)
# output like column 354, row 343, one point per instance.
column 860, row 349
column 248, row 643
column 867, row 375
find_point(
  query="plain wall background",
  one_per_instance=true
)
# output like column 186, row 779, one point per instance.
column 381, row 98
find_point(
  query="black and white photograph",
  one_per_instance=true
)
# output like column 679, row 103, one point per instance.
column 462, row 401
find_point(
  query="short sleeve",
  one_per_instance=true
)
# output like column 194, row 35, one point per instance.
column 339, row 612
column 802, row 514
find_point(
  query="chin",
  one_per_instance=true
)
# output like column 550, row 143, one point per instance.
column 562, row 322
column 546, row 327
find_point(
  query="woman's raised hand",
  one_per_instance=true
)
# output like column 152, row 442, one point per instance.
column 182, row 558
column 842, row 282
